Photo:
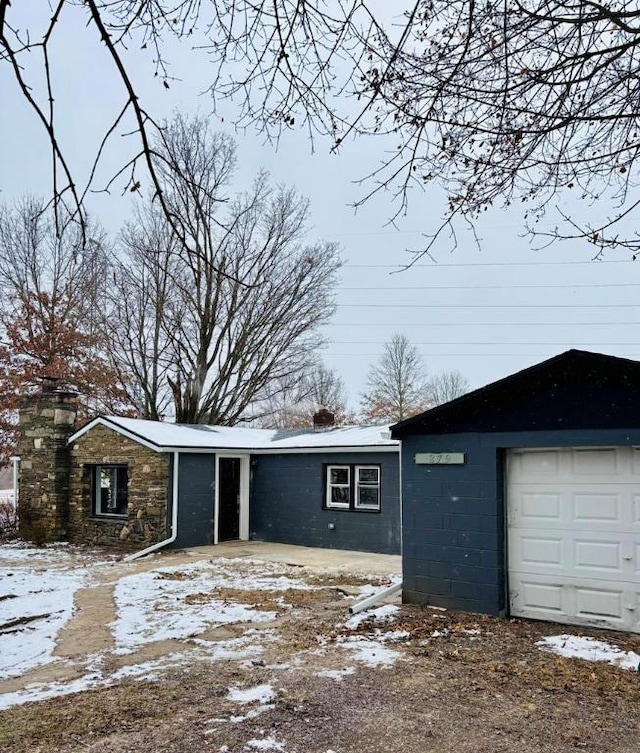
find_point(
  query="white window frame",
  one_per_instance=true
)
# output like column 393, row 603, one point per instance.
column 329, row 503
column 356, row 497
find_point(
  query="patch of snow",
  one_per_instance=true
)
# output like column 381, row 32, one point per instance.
column 256, row 694
column 252, row 713
column 370, row 652
column 582, row 647
column 385, row 613
column 392, row 635
column 336, row 674
column 179, row 602
column 265, row 743
column 48, row 597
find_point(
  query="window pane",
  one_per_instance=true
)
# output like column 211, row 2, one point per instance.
column 111, row 490
column 338, row 475
column 340, row 495
column 368, row 475
column 368, row 496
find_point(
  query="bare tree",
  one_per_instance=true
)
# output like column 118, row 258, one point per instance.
column 297, row 401
column 446, row 386
column 231, row 304
column 396, row 384
column 51, row 287
column 498, row 102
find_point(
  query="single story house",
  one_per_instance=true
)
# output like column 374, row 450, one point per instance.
column 147, row 484
column 523, row 497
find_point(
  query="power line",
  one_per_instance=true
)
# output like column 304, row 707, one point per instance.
column 566, row 286
column 487, row 305
column 495, row 342
column 463, row 355
column 437, row 265
column 396, row 325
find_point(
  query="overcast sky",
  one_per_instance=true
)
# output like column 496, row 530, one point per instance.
column 486, row 312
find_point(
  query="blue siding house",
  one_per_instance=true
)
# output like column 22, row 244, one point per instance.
column 523, row 497
column 335, row 487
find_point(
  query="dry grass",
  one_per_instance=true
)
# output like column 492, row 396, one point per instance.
column 466, row 684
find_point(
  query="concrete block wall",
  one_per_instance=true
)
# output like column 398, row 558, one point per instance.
column 287, row 503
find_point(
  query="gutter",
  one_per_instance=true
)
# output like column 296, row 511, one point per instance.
column 174, row 517
column 15, row 460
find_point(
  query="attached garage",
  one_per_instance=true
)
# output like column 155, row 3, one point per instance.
column 523, row 497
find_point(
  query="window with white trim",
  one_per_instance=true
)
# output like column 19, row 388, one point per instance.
column 339, row 486
column 367, row 496
column 352, row 487
column 109, row 490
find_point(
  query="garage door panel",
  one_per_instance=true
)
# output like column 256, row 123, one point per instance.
column 540, row 551
column 540, row 462
column 536, row 596
column 598, row 557
column 598, row 604
column 535, row 506
column 568, row 601
column 596, row 507
column 595, row 462
column 574, row 535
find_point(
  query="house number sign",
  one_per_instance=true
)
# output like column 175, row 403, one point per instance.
column 440, row 458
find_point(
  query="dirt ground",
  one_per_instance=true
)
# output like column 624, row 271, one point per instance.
column 463, row 683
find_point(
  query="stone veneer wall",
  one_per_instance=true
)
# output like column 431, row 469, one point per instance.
column 46, row 421
column 148, row 475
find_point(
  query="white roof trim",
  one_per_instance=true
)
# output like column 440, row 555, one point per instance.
column 100, row 421
column 264, row 441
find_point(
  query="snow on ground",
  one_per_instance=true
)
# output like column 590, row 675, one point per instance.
column 265, row 743
column 386, row 613
column 171, row 602
column 47, row 597
column 174, row 603
column 373, row 653
column 336, row 674
column 257, row 694
column 590, row 649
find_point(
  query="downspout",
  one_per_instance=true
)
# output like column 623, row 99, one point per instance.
column 15, row 459
column 174, row 517
column 375, row 598
column 379, row 596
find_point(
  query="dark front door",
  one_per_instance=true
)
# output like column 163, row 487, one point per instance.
column 228, row 499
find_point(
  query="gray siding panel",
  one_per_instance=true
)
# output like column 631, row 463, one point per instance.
column 287, row 496
column 453, row 515
column 196, row 490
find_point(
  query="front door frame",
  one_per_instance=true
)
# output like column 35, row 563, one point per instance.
column 245, row 464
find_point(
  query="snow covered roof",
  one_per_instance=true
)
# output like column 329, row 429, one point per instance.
column 161, row 436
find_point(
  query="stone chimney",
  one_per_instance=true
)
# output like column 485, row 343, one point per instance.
column 46, row 421
column 323, row 419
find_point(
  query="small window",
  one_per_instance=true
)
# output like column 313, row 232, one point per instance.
column 353, row 487
column 367, row 488
column 339, row 486
column 109, row 490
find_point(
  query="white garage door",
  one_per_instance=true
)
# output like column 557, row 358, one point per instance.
column 573, row 521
